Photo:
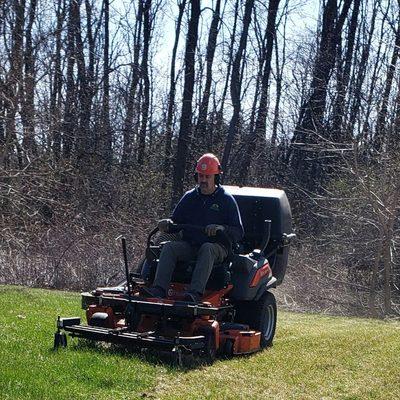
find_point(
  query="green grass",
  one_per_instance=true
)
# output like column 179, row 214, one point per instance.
column 313, row 357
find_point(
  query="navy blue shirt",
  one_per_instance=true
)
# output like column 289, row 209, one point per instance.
column 199, row 209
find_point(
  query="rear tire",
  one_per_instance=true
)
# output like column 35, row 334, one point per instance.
column 260, row 315
column 265, row 318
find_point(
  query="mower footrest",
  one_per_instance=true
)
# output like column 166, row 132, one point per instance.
column 145, row 306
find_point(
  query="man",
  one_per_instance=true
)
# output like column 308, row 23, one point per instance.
column 208, row 206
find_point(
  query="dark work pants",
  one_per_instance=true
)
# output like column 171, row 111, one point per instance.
column 207, row 255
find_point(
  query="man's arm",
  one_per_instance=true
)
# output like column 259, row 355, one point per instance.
column 178, row 217
column 234, row 228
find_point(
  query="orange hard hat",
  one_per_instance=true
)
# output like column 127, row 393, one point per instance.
column 208, row 164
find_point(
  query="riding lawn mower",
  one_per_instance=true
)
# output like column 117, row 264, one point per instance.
column 237, row 313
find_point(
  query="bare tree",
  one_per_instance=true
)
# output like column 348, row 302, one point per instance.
column 27, row 94
column 68, row 125
column 201, row 127
column 12, row 87
column 144, row 71
column 236, row 82
column 128, row 129
column 310, row 126
column 105, row 140
column 55, row 91
column 260, row 128
column 338, row 132
column 279, row 68
column 379, row 137
column 230, row 60
column 378, row 190
column 361, row 69
column 172, row 90
column 85, row 89
column 186, row 114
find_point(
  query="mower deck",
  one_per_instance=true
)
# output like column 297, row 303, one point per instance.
column 136, row 339
column 161, row 313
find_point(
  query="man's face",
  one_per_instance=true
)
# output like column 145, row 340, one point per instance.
column 206, row 183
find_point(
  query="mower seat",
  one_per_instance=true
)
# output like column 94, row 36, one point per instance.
column 220, row 275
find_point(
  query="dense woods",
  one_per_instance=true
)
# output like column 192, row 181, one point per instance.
column 105, row 106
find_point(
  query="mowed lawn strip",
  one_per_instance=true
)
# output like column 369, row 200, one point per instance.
column 313, row 357
column 30, row 369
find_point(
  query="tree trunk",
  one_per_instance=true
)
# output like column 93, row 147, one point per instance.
column 172, row 89
column 201, row 127
column 381, row 53
column 12, row 87
column 85, row 139
column 379, row 137
column 261, row 40
column 106, row 136
column 230, row 58
column 260, row 128
column 145, row 77
column 128, row 136
column 27, row 101
column 2, row 118
column 55, row 97
column 279, row 78
column 387, row 271
column 84, row 96
column 68, row 126
column 374, row 276
column 186, row 114
column 338, row 133
column 356, row 89
column 310, row 127
column 236, row 82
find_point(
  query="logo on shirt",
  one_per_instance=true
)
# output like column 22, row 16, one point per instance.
column 214, row 207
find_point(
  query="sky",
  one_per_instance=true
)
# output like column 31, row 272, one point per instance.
column 303, row 16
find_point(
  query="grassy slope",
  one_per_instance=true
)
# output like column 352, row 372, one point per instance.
column 31, row 370
column 314, row 357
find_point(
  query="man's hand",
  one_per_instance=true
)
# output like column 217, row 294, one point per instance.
column 211, row 230
column 164, row 225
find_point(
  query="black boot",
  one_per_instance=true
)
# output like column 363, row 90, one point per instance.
column 193, row 297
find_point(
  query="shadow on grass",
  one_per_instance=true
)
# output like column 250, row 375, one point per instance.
column 149, row 356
